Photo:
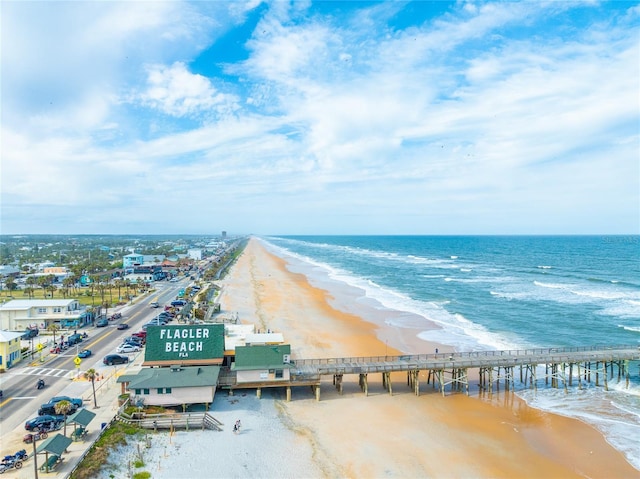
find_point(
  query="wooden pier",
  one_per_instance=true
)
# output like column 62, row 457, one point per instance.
column 562, row 366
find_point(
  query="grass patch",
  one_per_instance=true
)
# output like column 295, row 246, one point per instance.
column 96, row 458
column 142, row 475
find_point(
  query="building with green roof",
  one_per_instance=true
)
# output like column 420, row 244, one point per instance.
column 173, row 386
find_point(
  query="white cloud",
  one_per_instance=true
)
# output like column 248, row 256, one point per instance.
column 177, row 92
column 451, row 121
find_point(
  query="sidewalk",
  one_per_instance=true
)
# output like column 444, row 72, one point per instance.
column 107, row 392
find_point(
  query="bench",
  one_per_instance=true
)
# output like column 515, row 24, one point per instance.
column 51, row 463
column 78, row 433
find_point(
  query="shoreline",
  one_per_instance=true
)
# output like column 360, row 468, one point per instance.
column 552, row 445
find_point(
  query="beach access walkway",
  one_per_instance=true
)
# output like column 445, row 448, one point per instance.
column 555, row 365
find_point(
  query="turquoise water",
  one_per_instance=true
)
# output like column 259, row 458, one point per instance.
column 497, row 292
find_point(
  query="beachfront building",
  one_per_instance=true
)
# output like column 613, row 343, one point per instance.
column 267, row 363
column 173, row 386
column 23, row 314
column 9, row 349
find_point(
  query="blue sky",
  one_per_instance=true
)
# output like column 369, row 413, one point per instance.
column 320, row 117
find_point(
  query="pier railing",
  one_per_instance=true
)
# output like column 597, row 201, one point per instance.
column 508, row 357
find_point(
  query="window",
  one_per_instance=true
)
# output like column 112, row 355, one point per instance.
column 167, row 390
column 279, row 373
column 159, row 390
column 42, row 310
column 138, row 391
column 145, row 391
column 57, row 309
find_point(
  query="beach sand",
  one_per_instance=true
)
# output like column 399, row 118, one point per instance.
column 403, row 435
column 357, row 436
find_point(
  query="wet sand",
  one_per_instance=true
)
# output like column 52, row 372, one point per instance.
column 401, row 435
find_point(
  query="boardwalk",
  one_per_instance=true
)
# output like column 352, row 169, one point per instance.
column 561, row 366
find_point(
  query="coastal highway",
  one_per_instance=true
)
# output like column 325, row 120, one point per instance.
column 21, row 399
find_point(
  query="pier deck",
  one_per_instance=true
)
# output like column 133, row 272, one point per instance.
column 562, row 365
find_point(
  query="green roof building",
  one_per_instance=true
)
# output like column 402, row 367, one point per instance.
column 173, row 386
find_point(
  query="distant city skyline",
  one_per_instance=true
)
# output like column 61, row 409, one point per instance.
column 301, row 118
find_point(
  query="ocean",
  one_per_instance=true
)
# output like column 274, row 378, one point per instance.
column 496, row 292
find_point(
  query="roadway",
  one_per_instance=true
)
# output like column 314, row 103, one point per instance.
column 21, row 399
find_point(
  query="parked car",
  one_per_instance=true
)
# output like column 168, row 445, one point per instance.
column 75, row 401
column 122, row 326
column 43, row 423
column 140, row 334
column 112, row 359
column 85, row 353
column 30, row 333
column 127, row 348
column 101, row 323
column 49, row 409
column 178, row 302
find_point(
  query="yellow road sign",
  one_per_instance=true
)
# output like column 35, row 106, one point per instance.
column 40, row 347
column 77, row 361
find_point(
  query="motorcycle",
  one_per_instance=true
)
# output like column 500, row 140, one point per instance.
column 15, row 461
column 21, row 455
column 40, row 383
column 29, row 438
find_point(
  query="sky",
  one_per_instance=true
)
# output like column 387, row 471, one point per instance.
column 305, row 117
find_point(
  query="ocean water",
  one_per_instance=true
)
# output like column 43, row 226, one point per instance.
column 497, row 292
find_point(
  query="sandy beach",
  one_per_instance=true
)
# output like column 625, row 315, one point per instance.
column 378, row 436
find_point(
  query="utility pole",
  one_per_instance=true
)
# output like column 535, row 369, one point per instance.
column 35, row 456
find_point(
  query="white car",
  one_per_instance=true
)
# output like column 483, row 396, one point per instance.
column 127, row 348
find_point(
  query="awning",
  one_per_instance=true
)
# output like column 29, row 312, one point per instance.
column 82, row 417
column 54, row 444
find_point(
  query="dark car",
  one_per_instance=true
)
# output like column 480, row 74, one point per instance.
column 74, row 339
column 42, row 423
column 115, row 359
column 77, row 402
column 123, row 326
column 178, row 302
column 30, row 333
column 49, row 409
column 101, row 323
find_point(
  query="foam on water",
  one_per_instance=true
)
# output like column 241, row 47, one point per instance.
column 613, row 412
column 497, row 298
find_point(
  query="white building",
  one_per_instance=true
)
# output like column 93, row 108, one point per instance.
column 22, row 314
column 195, row 254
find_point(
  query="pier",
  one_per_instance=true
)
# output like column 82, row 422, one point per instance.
column 562, row 366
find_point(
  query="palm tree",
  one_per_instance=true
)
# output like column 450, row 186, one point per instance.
column 11, row 284
column 53, row 328
column 44, row 284
column 62, row 408
column 119, row 283
column 91, row 374
column 29, row 291
column 68, row 283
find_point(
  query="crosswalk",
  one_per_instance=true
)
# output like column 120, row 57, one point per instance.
column 40, row 372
